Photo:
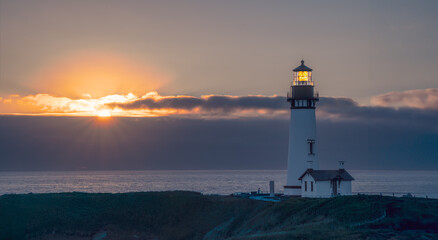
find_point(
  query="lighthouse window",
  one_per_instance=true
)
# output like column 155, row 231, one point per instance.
column 305, row 186
column 311, row 142
column 311, row 186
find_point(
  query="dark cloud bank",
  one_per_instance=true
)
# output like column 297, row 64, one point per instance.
column 213, row 102
column 213, row 106
column 364, row 137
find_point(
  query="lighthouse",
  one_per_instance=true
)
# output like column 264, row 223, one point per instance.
column 302, row 130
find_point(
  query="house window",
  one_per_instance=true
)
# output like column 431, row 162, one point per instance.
column 305, row 186
column 311, row 186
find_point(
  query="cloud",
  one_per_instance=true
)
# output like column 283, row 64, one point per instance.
column 345, row 109
column 242, row 132
column 331, row 108
column 227, row 107
column 151, row 105
column 64, row 104
column 46, row 104
column 210, row 104
column 78, row 143
column 419, row 98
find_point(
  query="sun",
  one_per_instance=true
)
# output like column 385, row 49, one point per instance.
column 103, row 113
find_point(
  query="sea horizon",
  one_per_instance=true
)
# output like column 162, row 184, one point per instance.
column 419, row 183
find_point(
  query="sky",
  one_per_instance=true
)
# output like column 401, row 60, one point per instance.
column 202, row 84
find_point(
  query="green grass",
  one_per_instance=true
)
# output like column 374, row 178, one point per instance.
column 190, row 215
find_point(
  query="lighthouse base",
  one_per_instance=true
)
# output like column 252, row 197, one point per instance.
column 293, row 191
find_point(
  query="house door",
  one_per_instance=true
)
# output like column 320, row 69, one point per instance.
column 335, row 187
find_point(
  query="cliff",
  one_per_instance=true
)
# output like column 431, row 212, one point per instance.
column 189, row 215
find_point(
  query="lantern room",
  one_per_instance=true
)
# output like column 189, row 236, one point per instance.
column 302, row 75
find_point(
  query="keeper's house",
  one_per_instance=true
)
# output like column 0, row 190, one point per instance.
column 325, row 183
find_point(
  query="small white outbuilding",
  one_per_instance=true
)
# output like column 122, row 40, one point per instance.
column 325, row 183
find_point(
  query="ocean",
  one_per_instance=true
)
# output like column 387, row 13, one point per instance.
column 224, row 182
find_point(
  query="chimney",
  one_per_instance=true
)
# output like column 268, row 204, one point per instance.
column 271, row 189
column 309, row 164
column 341, row 165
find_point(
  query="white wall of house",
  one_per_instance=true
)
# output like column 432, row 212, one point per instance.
column 345, row 188
column 308, row 192
column 322, row 189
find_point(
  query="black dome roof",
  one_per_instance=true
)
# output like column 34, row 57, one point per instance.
column 302, row 67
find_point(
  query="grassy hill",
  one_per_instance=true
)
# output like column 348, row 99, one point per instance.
column 189, row 215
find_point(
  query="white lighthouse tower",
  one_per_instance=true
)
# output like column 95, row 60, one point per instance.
column 302, row 129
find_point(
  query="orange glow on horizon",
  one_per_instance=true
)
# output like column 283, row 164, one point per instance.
column 96, row 75
column 90, row 83
column 104, row 113
column 117, row 105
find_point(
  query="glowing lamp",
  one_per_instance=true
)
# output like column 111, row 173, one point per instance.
column 302, row 75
